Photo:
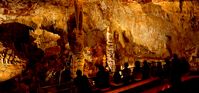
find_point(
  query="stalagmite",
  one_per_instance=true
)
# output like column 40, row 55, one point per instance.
column 146, row 29
column 110, row 49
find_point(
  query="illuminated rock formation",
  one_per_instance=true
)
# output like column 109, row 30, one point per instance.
column 144, row 28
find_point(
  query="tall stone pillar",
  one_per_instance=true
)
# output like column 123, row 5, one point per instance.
column 78, row 60
column 110, row 49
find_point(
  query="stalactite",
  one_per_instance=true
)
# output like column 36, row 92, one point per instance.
column 181, row 4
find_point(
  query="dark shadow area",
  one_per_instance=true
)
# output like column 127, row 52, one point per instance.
column 139, row 89
column 190, row 86
column 15, row 33
column 16, row 37
column 8, row 86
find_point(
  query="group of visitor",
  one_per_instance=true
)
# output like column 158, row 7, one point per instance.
column 29, row 81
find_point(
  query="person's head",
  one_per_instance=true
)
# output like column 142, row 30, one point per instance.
column 126, row 65
column 101, row 68
column 79, row 73
column 167, row 60
column 145, row 62
column 137, row 63
column 175, row 56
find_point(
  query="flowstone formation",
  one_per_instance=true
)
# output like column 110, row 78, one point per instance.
column 142, row 29
column 147, row 28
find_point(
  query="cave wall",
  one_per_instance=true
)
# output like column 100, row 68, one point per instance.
column 147, row 24
column 144, row 23
column 145, row 28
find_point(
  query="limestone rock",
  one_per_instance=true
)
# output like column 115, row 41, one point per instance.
column 145, row 28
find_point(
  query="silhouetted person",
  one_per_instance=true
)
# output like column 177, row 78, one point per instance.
column 126, row 72
column 66, row 74
column 185, row 65
column 159, row 70
column 102, row 78
column 175, row 71
column 42, row 73
column 145, row 70
column 82, row 83
column 137, row 71
column 153, row 68
column 9, row 86
column 167, row 68
column 117, row 76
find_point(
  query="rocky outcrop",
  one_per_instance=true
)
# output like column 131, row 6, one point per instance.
column 142, row 28
column 147, row 24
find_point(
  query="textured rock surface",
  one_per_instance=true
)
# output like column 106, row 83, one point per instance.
column 146, row 28
column 147, row 25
